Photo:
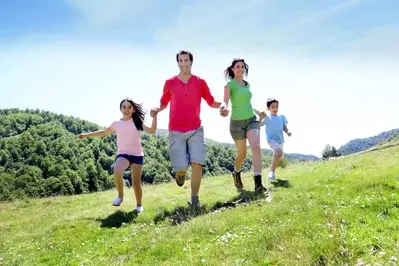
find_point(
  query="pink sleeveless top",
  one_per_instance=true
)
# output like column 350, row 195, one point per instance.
column 128, row 138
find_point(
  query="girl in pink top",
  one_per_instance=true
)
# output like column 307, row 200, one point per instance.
column 130, row 151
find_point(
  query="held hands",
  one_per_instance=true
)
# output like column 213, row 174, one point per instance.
column 262, row 115
column 223, row 111
column 154, row 112
column 82, row 136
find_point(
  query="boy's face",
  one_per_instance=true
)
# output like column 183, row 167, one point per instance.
column 273, row 108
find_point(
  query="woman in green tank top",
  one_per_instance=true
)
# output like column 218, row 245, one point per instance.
column 243, row 122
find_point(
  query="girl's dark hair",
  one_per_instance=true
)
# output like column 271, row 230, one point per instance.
column 229, row 74
column 138, row 114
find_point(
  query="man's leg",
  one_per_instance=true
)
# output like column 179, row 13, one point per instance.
column 178, row 156
column 197, row 153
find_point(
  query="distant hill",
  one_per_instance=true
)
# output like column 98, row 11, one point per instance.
column 41, row 155
column 362, row 144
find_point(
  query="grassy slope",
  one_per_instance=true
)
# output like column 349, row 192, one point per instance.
column 337, row 212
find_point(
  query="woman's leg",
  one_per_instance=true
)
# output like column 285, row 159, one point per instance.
column 253, row 136
column 241, row 148
column 120, row 166
column 136, row 181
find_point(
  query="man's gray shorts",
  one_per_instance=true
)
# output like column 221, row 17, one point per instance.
column 185, row 148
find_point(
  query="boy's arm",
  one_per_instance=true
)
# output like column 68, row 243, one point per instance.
column 261, row 115
column 153, row 128
column 285, row 128
column 99, row 133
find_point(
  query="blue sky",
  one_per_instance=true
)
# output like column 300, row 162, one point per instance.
column 332, row 64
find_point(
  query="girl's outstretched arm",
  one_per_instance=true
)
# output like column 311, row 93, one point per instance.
column 99, row 133
column 153, row 128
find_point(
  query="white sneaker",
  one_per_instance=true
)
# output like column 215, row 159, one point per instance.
column 117, row 201
column 139, row 209
column 272, row 176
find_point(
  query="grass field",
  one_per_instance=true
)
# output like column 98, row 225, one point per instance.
column 341, row 212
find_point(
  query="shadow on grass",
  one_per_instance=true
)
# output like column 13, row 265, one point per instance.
column 182, row 214
column 281, row 183
column 117, row 219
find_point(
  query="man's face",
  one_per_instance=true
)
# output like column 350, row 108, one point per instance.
column 184, row 63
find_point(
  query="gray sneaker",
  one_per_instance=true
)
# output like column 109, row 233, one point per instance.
column 194, row 202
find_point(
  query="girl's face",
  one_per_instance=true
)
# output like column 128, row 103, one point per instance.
column 239, row 69
column 127, row 109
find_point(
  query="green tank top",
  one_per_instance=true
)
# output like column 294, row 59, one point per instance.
column 240, row 98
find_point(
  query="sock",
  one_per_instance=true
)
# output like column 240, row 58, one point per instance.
column 257, row 173
column 237, row 171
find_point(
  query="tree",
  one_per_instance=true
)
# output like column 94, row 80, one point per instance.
column 329, row 151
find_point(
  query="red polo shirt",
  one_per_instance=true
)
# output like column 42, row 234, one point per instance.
column 185, row 102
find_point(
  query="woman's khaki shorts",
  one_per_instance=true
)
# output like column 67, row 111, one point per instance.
column 239, row 128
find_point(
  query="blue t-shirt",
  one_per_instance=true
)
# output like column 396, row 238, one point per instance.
column 274, row 128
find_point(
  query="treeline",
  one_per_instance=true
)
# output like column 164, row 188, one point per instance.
column 41, row 155
column 358, row 145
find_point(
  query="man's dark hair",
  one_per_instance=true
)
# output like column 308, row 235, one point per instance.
column 270, row 101
column 181, row 52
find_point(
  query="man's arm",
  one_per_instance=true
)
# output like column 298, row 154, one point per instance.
column 165, row 99
column 208, row 97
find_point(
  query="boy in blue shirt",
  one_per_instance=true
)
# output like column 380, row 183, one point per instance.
column 275, row 125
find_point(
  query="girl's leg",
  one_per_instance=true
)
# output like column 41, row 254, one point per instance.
column 120, row 166
column 136, row 181
column 253, row 136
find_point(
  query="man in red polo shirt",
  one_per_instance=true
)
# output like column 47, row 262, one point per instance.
column 186, row 134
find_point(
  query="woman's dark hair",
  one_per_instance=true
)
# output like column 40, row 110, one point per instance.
column 138, row 114
column 229, row 74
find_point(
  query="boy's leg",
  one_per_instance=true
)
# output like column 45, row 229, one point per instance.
column 197, row 154
column 121, row 164
column 178, row 155
column 277, row 155
column 136, row 167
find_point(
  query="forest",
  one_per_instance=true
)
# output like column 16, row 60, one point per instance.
column 41, row 155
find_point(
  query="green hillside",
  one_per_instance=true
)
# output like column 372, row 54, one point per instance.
column 341, row 212
column 41, row 155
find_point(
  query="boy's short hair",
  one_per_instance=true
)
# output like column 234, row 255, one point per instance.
column 270, row 101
